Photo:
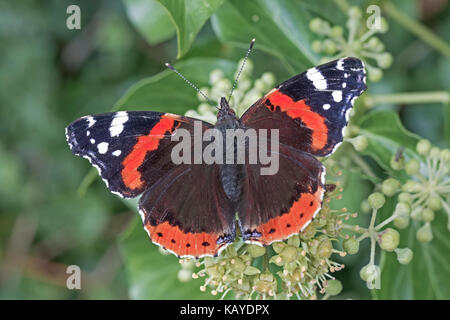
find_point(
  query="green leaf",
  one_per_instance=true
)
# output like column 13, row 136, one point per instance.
column 152, row 275
column 280, row 28
column 447, row 122
column 386, row 136
column 167, row 92
column 427, row 276
column 188, row 18
column 151, row 19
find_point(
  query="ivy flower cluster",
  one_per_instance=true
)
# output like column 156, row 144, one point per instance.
column 359, row 42
column 426, row 192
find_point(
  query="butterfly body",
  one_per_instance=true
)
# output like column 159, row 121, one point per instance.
column 190, row 208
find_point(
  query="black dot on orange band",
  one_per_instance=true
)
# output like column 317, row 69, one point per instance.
column 288, row 225
column 188, row 245
column 159, row 234
column 311, row 203
column 205, row 244
column 301, row 215
column 272, row 230
column 173, row 240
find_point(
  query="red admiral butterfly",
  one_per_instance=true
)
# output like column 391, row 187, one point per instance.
column 190, row 209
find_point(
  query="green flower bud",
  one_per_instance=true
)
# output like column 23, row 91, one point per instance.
column 351, row 245
column 427, row 215
column 401, row 222
column 256, row 251
column 316, row 46
column 425, row 234
column 376, row 200
column 260, row 85
column 289, row 254
column 334, row 287
column 215, row 76
column 375, row 74
column 277, row 260
column 404, row 197
column 412, row 167
column 385, row 60
column 336, row 32
column 316, row 25
column 355, row 13
column 397, row 164
column 329, row 46
column 237, row 264
column 434, row 203
column 278, row 246
column 268, row 78
column 294, row 241
column 435, row 153
column 390, row 187
column 325, row 248
column 369, row 272
column 251, row 271
column 360, row 143
column 365, row 206
column 404, row 255
column 445, row 155
column 308, row 232
column 384, row 26
column 184, row 275
column 375, row 44
column 423, row 147
column 389, row 240
column 402, row 209
column 244, row 84
column 412, row 186
column 416, row 213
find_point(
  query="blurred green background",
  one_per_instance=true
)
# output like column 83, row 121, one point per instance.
column 49, row 76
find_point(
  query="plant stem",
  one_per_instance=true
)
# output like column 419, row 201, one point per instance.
column 362, row 164
column 417, row 29
column 409, row 98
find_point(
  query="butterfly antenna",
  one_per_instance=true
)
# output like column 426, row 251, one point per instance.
column 168, row 65
column 242, row 67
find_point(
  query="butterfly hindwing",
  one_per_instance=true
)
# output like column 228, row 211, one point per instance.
column 311, row 109
column 188, row 213
column 273, row 207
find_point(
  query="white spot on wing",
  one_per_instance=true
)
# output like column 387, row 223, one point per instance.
column 90, row 121
column 116, row 127
column 344, row 85
column 340, row 64
column 337, row 95
column 88, row 133
column 117, row 153
column 317, row 78
column 102, row 147
column 326, row 106
column 92, row 141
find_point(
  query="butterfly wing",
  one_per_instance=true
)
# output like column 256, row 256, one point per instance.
column 311, row 110
column 132, row 151
column 273, row 207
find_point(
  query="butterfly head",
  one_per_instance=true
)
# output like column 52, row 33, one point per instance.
column 225, row 110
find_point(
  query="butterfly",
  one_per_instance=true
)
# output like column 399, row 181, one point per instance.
column 194, row 210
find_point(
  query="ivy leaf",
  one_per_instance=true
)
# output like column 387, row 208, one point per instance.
column 152, row 275
column 151, row 19
column 386, row 136
column 167, row 92
column 280, row 28
column 427, row 276
column 188, row 18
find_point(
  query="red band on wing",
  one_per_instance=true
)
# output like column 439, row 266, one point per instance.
column 130, row 173
column 182, row 243
column 301, row 110
column 291, row 222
